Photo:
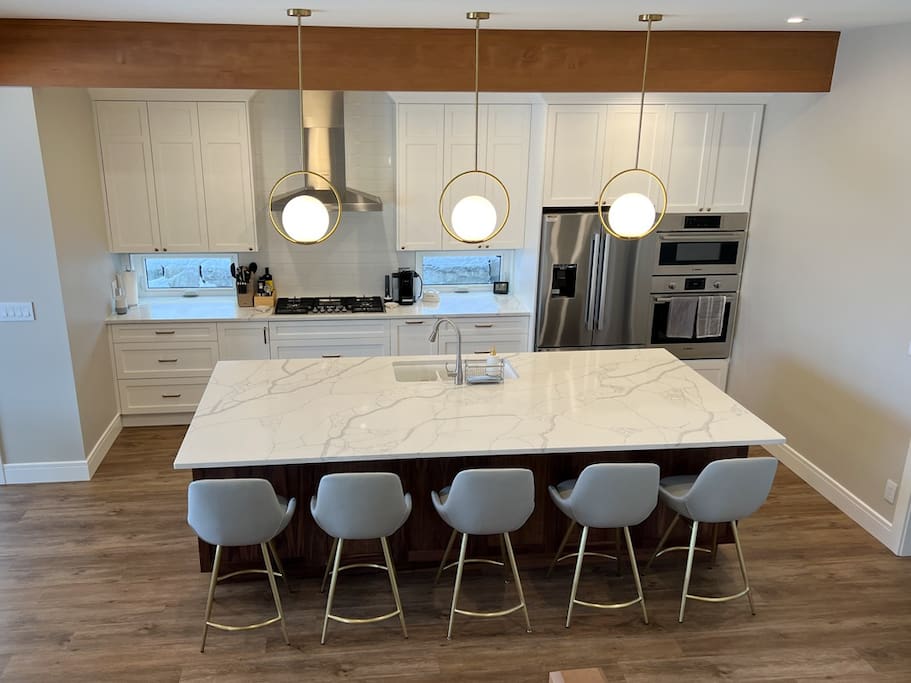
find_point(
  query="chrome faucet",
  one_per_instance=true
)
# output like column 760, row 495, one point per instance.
column 459, row 373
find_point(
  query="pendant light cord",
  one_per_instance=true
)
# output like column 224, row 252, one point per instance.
column 648, row 37
column 300, row 88
column 477, row 52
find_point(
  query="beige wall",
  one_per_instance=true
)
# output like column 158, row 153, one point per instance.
column 39, row 419
column 824, row 327
column 67, row 133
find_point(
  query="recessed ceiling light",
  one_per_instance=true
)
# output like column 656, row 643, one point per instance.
column 796, row 20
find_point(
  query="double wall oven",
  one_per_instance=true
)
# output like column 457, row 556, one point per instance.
column 598, row 292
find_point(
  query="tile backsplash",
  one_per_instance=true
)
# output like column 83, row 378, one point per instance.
column 363, row 249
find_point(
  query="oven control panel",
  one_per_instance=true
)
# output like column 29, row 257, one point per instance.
column 695, row 284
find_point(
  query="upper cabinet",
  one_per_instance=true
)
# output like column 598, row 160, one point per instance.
column 434, row 143
column 710, row 156
column 177, row 176
column 705, row 154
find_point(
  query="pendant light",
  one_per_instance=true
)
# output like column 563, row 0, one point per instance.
column 632, row 215
column 474, row 218
column 304, row 219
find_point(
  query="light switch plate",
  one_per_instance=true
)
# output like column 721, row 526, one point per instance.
column 17, row 311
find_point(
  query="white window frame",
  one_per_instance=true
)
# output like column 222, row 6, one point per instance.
column 137, row 262
column 505, row 268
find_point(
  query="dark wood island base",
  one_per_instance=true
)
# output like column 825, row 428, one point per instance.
column 420, row 542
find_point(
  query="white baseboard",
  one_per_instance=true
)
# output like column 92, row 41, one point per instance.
column 869, row 519
column 103, row 445
column 156, row 419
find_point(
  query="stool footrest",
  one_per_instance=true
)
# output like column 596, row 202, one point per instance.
column 721, row 598
column 499, row 613
column 364, row 620
column 681, row 547
column 249, row 627
column 247, row 571
column 587, row 554
column 601, row 605
column 364, row 565
column 479, row 560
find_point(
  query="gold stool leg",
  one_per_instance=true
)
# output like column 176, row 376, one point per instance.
column 390, row 569
column 211, row 597
column 322, row 586
column 515, row 574
column 635, row 568
column 689, row 570
column 458, row 583
column 569, row 530
column 452, row 536
column 278, row 564
column 667, row 533
column 278, row 603
column 335, row 562
column 743, row 567
column 576, row 574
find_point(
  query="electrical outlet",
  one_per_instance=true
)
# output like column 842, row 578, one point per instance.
column 891, row 488
column 17, row 311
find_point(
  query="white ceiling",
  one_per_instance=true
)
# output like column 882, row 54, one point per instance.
column 507, row 14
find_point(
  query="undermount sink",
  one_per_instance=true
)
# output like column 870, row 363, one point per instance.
column 434, row 371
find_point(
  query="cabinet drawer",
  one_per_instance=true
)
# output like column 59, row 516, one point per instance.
column 147, row 361
column 329, row 329
column 143, row 332
column 154, row 396
column 482, row 345
column 488, row 325
column 329, row 348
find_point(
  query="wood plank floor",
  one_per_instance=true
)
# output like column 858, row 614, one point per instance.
column 99, row 582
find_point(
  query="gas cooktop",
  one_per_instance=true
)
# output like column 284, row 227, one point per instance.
column 343, row 304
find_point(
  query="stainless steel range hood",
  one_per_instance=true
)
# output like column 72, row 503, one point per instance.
column 324, row 153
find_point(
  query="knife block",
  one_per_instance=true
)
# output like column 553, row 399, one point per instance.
column 245, row 294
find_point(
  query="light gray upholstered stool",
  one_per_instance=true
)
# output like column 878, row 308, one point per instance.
column 484, row 502
column 236, row 512
column 608, row 496
column 725, row 491
column 360, row 506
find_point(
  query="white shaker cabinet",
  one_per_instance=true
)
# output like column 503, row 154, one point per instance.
column 177, row 176
column 411, row 337
column 434, row 143
column 127, row 176
column 243, row 341
column 714, row 370
column 620, row 150
column 710, row 156
column 328, row 339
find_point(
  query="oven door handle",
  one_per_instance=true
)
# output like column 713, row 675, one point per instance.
column 668, row 299
column 713, row 237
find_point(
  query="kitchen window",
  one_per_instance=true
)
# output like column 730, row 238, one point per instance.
column 175, row 275
column 463, row 270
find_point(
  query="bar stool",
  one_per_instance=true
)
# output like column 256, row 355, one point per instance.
column 724, row 492
column 360, row 506
column 607, row 496
column 238, row 512
column 484, row 502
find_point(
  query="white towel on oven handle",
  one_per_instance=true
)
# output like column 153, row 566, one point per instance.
column 710, row 316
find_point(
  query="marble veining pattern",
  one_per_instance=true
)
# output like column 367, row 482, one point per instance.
column 325, row 410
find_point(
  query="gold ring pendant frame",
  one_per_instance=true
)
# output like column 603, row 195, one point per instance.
column 442, row 201
column 603, row 219
column 277, row 224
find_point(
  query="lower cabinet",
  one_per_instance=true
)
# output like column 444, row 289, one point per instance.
column 480, row 335
column 714, row 370
column 329, row 339
column 243, row 341
column 152, row 396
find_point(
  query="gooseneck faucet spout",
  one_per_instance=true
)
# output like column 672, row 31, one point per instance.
column 460, row 374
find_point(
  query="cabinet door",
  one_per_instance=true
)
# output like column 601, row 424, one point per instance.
column 620, row 150
column 410, row 338
column 732, row 162
column 243, row 341
column 227, row 177
column 459, row 156
column 688, row 132
column 715, row 371
column 508, row 131
column 174, row 132
column 128, row 177
column 574, row 154
column 419, row 175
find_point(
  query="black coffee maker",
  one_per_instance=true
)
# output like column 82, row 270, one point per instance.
column 400, row 286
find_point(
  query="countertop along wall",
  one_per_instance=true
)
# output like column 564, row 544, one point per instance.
column 363, row 249
column 823, row 333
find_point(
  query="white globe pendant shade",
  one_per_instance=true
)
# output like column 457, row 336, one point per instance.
column 474, row 218
column 631, row 215
column 305, row 219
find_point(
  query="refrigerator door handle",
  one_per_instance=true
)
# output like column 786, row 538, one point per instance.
column 602, row 279
column 591, row 294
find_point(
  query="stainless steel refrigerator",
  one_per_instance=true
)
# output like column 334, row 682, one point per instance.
column 593, row 289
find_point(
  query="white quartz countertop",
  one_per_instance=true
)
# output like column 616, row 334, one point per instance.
column 225, row 309
column 277, row 412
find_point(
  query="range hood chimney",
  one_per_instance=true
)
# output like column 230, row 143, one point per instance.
column 324, row 152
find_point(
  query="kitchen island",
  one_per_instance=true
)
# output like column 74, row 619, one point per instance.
column 291, row 421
